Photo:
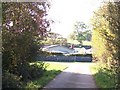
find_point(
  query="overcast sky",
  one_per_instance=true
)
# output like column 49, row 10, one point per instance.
column 66, row 12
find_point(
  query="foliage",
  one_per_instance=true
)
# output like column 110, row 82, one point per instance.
column 83, row 55
column 11, row 81
column 80, row 32
column 55, row 38
column 37, row 69
column 104, row 77
column 30, row 72
column 106, row 37
column 52, row 70
column 24, row 25
column 56, row 54
column 80, row 26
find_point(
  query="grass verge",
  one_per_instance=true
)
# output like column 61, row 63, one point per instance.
column 104, row 77
column 52, row 70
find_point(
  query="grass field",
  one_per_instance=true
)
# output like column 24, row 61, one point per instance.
column 53, row 69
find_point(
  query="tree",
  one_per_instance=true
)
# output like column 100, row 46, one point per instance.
column 72, row 35
column 88, row 35
column 80, row 28
column 81, row 32
column 62, row 41
column 55, row 38
column 23, row 25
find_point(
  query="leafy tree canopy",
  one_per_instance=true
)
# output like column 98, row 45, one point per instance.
column 23, row 25
column 81, row 32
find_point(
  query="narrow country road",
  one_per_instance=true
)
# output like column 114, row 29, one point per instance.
column 77, row 75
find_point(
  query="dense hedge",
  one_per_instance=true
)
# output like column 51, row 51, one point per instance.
column 58, row 57
column 83, row 55
column 106, row 37
column 61, row 54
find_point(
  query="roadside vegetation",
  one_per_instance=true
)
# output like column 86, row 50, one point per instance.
column 52, row 69
column 106, row 45
column 104, row 77
column 23, row 27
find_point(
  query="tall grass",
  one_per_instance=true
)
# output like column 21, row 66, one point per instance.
column 104, row 76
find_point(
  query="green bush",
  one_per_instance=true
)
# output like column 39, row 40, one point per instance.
column 22, row 74
column 56, row 54
column 29, row 72
column 36, row 70
column 84, row 55
column 11, row 81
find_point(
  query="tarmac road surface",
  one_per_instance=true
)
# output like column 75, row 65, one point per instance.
column 77, row 75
